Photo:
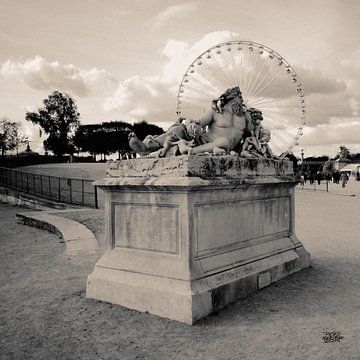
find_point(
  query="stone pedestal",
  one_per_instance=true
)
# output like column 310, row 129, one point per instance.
column 188, row 235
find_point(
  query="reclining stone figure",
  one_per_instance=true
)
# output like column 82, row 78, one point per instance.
column 228, row 124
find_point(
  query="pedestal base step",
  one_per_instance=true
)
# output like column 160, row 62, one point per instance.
column 189, row 301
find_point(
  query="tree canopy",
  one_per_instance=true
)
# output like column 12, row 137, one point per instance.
column 110, row 137
column 143, row 128
column 10, row 135
column 105, row 138
column 59, row 119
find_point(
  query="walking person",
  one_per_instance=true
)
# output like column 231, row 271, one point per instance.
column 343, row 179
column 318, row 177
column 311, row 178
column 302, row 181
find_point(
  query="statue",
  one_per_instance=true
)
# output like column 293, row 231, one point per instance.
column 181, row 135
column 344, row 153
column 254, row 147
column 228, row 128
column 226, row 123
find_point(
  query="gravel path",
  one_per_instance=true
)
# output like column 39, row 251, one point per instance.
column 44, row 313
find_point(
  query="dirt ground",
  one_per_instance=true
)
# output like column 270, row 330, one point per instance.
column 44, row 313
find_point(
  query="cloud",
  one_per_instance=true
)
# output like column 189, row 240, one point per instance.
column 171, row 13
column 41, row 74
column 321, row 108
column 336, row 132
column 325, row 139
column 137, row 98
column 179, row 54
column 315, row 82
column 154, row 97
column 332, row 104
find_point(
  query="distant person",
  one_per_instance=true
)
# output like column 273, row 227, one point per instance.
column 305, row 177
column 357, row 176
column 343, row 179
column 311, row 178
column 336, row 177
column 318, row 177
column 302, row 181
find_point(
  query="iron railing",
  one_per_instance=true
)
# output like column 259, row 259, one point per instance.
column 66, row 190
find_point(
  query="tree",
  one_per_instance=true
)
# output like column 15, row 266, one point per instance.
column 105, row 138
column 116, row 134
column 59, row 119
column 143, row 128
column 89, row 138
column 10, row 135
column 111, row 137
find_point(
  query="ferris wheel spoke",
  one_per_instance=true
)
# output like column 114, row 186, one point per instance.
column 257, row 70
column 264, row 86
column 212, row 73
column 277, row 121
column 210, row 78
column 246, row 70
column 237, row 68
column 278, row 91
column 243, row 69
column 281, row 140
column 197, row 91
column 236, row 61
column 282, row 105
column 265, row 79
column 204, row 86
column 286, row 113
column 216, row 63
column 258, row 76
column 264, row 101
column 224, row 66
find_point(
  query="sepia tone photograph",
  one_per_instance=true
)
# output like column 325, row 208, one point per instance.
column 179, row 179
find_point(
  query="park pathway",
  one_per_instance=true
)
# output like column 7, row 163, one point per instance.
column 44, row 313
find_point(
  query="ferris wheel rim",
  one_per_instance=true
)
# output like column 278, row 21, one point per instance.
column 274, row 55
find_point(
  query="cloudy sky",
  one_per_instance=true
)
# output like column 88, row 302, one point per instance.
column 124, row 59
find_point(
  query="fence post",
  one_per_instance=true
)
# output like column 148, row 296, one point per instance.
column 96, row 197
column 49, row 187
column 27, row 182
column 41, row 186
column 70, row 183
column 59, row 190
column 82, row 192
column 34, row 187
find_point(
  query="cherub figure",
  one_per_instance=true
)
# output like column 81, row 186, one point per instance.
column 254, row 127
column 258, row 148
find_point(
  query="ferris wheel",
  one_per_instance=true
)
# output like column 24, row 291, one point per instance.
column 267, row 82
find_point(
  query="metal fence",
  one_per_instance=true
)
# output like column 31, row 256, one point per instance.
column 72, row 191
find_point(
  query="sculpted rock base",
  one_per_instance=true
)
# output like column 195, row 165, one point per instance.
column 186, row 245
